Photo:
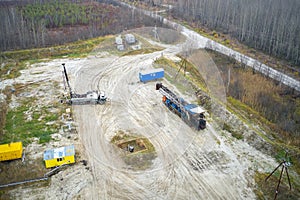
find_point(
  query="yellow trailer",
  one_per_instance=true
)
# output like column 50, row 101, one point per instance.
column 59, row 156
column 11, row 151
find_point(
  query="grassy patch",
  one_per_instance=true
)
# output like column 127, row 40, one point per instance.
column 162, row 61
column 183, row 69
column 250, row 116
column 122, row 137
column 187, row 79
column 234, row 133
column 143, row 51
column 266, row 189
column 16, row 170
column 14, row 61
column 23, row 123
column 51, row 117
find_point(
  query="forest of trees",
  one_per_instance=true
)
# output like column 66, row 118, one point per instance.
column 275, row 102
column 272, row 26
column 45, row 22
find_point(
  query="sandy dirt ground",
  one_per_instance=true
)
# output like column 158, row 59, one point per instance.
column 189, row 164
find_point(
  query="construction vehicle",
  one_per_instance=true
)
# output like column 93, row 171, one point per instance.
column 191, row 114
column 91, row 97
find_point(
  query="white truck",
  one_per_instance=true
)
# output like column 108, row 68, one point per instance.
column 91, row 97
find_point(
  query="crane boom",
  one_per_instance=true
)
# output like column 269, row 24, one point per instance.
column 91, row 97
column 67, row 79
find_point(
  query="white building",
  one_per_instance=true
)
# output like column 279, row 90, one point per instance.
column 130, row 39
column 119, row 40
column 120, row 47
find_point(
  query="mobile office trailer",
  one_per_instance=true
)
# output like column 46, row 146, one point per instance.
column 59, row 156
column 152, row 74
column 11, row 151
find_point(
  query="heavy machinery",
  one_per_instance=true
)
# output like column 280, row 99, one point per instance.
column 91, row 97
column 191, row 114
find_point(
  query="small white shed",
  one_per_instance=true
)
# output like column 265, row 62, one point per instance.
column 130, row 39
column 118, row 40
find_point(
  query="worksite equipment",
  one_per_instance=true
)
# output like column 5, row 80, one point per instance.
column 11, row 151
column 152, row 74
column 130, row 39
column 191, row 114
column 285, row 164
column 59, row 156
column 91, row 97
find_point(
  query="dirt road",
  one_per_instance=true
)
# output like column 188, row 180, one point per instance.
column 189, row 164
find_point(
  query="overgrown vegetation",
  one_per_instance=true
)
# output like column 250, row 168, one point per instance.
column 268, row 102
column 14, row 61
column 274, row 107
column 15, row 171
column 47, row 23
column 266, row 189
column 234, row 133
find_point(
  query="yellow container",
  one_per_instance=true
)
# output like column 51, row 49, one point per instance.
column 11, row 151
column 59, row 156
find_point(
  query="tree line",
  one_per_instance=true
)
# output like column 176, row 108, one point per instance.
column 277, row 103
column 272, row 26
column 45, row 23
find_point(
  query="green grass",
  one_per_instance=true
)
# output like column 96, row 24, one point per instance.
column 51, row 117
column 19, row 127
column 234, row 133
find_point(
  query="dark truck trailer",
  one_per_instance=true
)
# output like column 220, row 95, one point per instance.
column 194, row 116
column 191, row 114
column 152, row 74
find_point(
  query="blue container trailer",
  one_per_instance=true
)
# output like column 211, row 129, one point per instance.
column 152, row 74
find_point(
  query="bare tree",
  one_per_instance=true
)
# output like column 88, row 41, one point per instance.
column 269, row 25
